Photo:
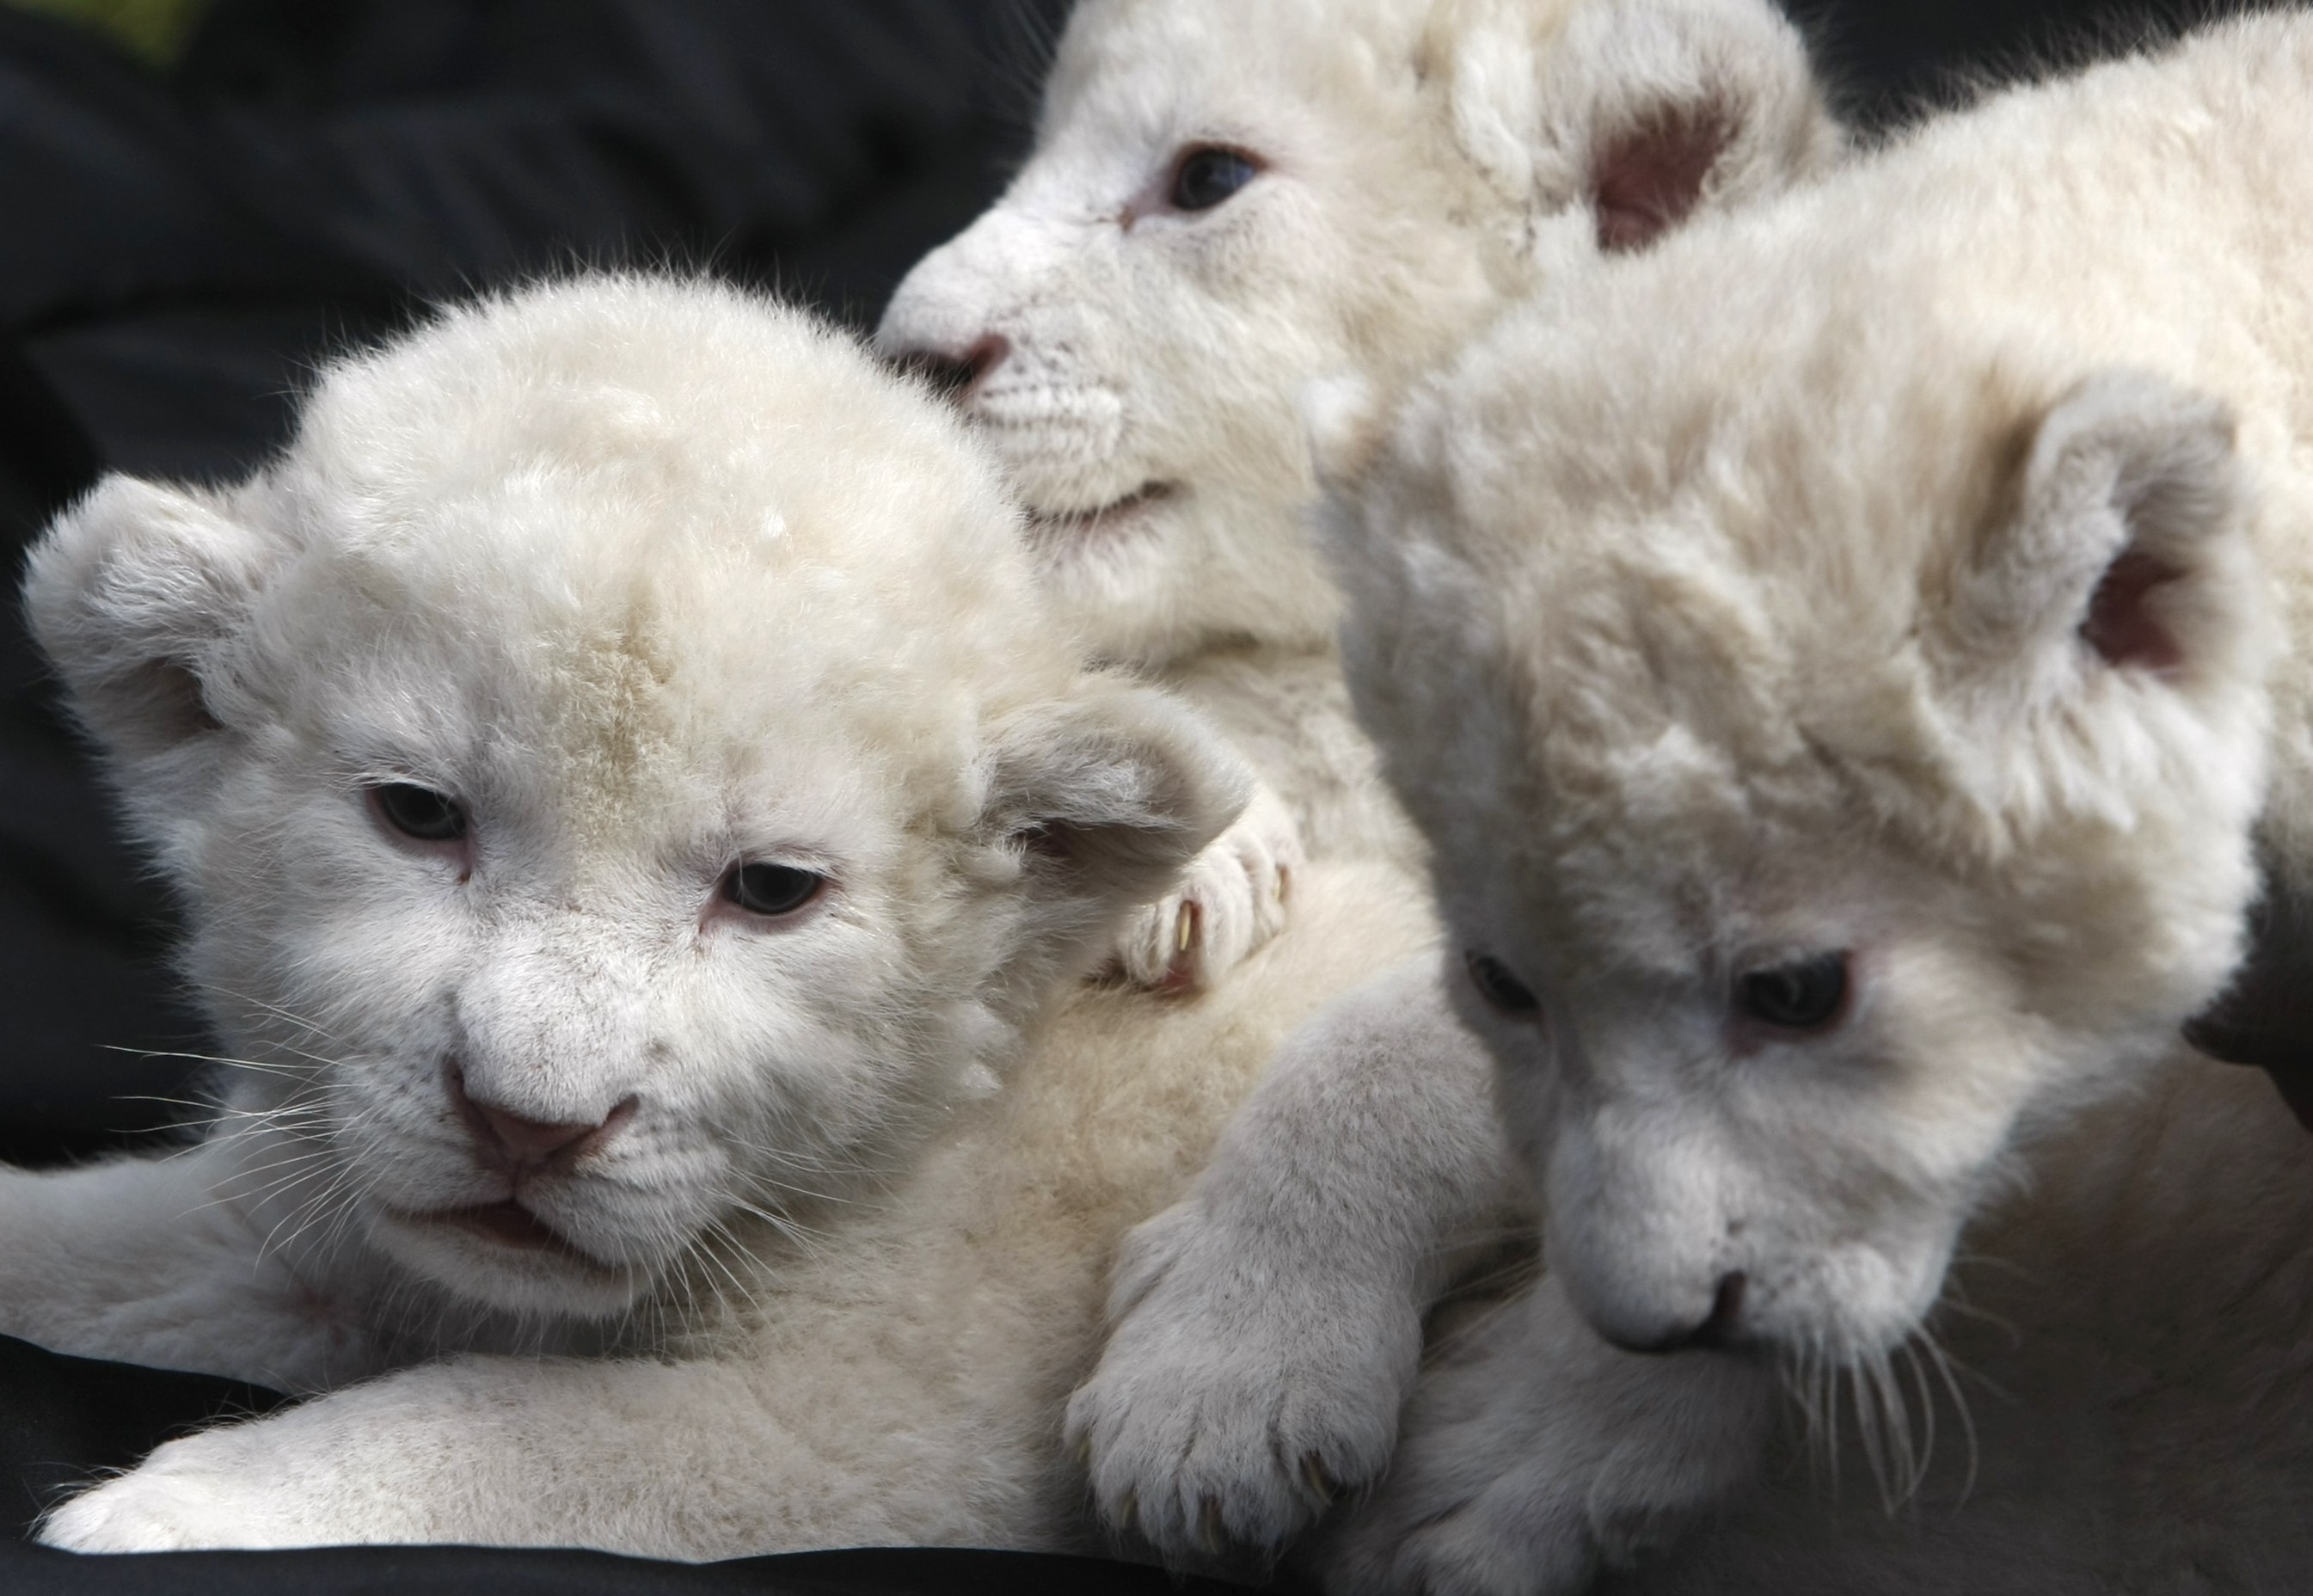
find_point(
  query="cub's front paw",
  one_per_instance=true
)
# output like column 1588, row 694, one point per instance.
column 191, row 1495
column 1230, row 902
column 1242, row 1387
column 1476, row 1504
column 1534, row 1455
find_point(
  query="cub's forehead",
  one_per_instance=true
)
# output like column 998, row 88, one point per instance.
column 1672, row 601
column 650, row 515
column 1142, row 66
column 1740, row 540
column 691, row 414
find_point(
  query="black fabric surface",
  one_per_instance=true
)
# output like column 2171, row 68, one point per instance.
column 176, row 251
column 83, row 927
column 180, row 248
column 394, row 1571
column 64, row 1421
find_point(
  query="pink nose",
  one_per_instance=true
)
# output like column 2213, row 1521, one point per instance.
column 957, row 376
column 530, row 1140
column 518, row 1143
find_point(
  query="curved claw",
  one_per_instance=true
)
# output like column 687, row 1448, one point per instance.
column 1182, row 973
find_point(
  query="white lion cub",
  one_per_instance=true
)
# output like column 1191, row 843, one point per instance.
column 1844, row 730
column 633, row 808
column 1226, row 201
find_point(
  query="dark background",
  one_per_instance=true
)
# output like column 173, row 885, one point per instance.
column 176, row 250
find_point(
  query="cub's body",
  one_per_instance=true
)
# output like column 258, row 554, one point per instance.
column 644, row 839
column 1847, row 732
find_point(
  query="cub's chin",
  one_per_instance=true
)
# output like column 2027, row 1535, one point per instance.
column 503, row 1257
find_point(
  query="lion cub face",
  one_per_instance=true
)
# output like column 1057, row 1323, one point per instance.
column 1227, row 200
column 623, row 782
column 1835, row 767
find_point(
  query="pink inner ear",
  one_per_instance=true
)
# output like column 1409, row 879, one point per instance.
column 2121, row 624
column 1645, row 182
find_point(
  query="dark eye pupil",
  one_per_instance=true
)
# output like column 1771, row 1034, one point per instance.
column 1500, row 988
column 1796, row 997
column 420, row 812
column 1206, row 177
column 771, row 889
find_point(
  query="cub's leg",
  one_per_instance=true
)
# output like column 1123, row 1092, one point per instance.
column 1534, row 1454
column 656, row 1459
column 1229, row 901
column 152, row 1260
column 1267, row 1326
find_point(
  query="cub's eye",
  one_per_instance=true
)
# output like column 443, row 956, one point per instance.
column 1502, row 991
column 771, row 889
column 1804, row 995
column 1208, row 174
column 420, row 812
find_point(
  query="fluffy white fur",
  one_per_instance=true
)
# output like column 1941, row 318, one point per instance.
column 795, row 1223
column 1137, row 367
column 1932, row 603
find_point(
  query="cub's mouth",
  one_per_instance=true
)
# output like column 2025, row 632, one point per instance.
column 508, row 1223
column 1102, row 518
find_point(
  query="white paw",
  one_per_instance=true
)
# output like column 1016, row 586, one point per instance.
column 1534, row 1455
column 190, row 1495
column 1472, row 1506
column 1230, row 902
column 1242, row 1388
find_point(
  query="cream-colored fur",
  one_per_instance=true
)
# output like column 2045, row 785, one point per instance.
column 602, row 1202
column 1137, row 365
column 1842, row 724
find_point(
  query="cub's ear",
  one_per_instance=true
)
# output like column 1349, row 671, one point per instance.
column 1106, row 797
column 130, row 592
column 1642, row 111
column 2111, row 546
